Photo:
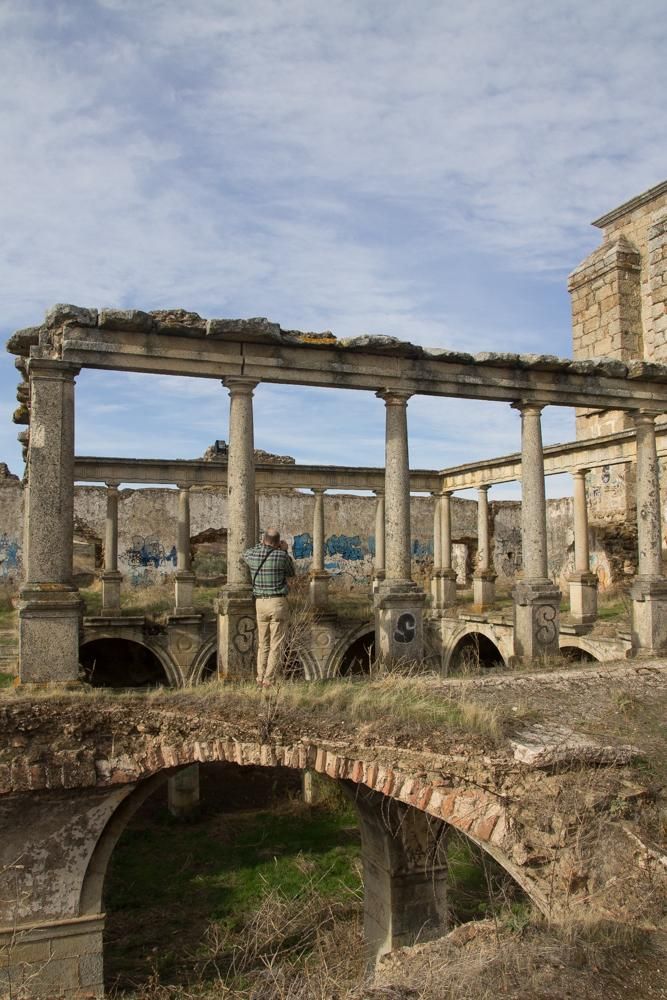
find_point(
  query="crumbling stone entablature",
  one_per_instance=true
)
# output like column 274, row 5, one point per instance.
column 259, row 350
column 93, row 469
column 572, row 456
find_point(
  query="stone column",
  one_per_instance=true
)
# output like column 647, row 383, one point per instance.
column 583, row 584
column 237, row 628
column 111, row 578
column 447, row 574
column 319, row 578
column 403, row 852
column 536, row 599
column 484, row 579
column 649, row 591
column 437, row 552
column 185, row 578
column 258, row 521
column 50, row 606
column 399, row 627
column 378, row 569
column 183, row 792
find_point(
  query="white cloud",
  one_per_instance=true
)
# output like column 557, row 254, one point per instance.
column 422, row 170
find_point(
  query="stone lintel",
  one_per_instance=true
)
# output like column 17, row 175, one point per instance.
column 360, row 363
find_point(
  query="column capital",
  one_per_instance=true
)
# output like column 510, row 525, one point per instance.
column 394, row 397
column 112, row 484
column 484, row 488
column 643, row 418
column 579, row 473
column 318, row 490
column 51, row 368
column 184, row 487
column 527, row 408
column 240, row 385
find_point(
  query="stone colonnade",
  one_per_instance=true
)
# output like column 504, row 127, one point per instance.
column 50, row 611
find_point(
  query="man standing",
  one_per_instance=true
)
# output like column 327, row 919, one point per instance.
column 270, row 566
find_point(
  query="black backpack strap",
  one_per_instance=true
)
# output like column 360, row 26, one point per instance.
column 255, row 574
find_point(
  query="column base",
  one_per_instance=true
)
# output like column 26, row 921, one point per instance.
column 399, row 621
column 184, row 587
column 319, row 589
column 443, row 589
column 583, row 598
column 649, row 616
column 111, row 581
column 237, row 633
column 49, row 624
column 536, row 619
column 484, row 590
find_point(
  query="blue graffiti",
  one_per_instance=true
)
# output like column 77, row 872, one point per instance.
column 422, row 550
column 302, row 547
column 146, row 552
column 9, row 555
column 347, row 546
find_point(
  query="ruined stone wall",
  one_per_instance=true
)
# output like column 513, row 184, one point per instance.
column 148, row 530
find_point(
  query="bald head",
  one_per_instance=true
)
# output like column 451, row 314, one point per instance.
column 271, row 537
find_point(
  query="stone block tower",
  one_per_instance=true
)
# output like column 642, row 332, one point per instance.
column 619, row 310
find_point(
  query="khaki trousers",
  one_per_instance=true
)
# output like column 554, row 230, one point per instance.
column 272, row 618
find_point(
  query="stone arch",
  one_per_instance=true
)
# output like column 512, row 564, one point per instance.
column 474, row 629
column 586, row 647
column 335, row 661
column 171, row 671
column 309, row 664
column 208, row 649
column 92, row 888
column 86, row 802
column 478, row 813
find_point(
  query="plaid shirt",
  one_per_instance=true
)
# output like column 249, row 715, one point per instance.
column 271, row 580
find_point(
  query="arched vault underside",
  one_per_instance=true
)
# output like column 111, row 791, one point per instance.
column 78, row 770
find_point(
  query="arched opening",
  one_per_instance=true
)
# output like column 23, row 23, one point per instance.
column 210, row 668
column 359, row 656
column 256, row 877
column 121, row 663
column 474, row 651
column 259, row 877
column 575, row 654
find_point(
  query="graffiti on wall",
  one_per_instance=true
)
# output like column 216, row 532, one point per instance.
column 406, row 628
column 9, row 556
column 148, row 552
column 302, row 546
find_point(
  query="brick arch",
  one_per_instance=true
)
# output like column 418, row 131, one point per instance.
column 481, row 814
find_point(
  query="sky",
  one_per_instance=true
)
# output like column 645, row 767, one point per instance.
column 426, row 170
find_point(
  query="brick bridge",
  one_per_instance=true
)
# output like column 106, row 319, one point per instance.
column 73, row 770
